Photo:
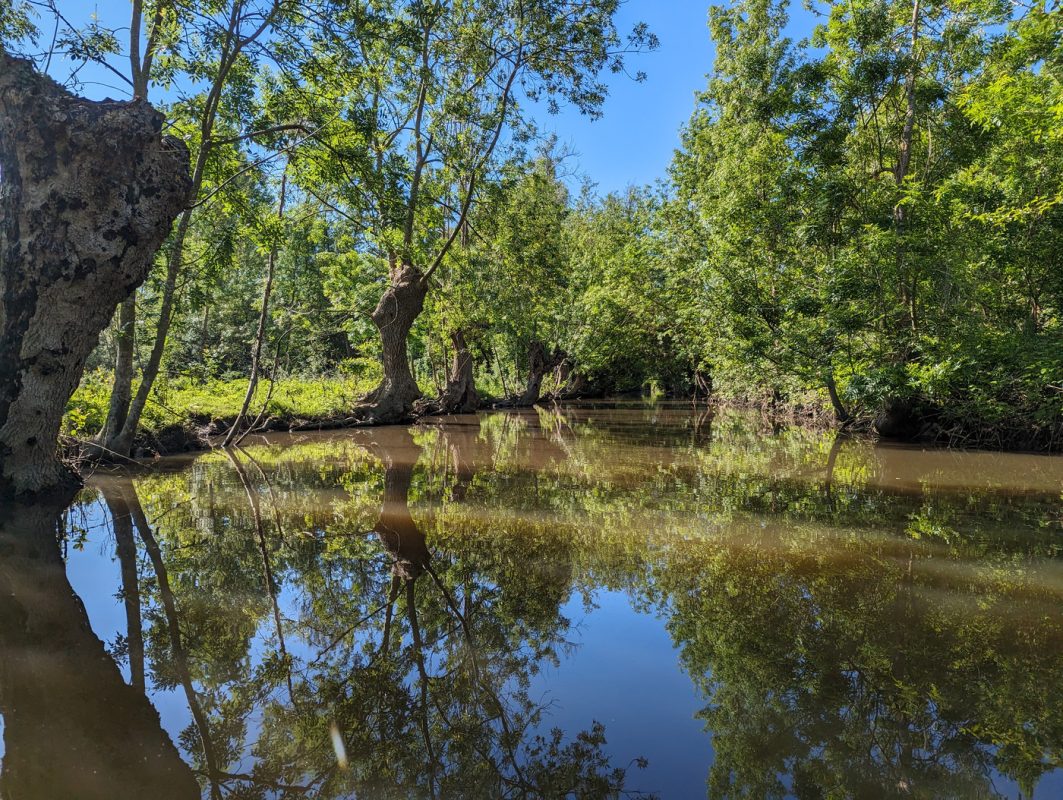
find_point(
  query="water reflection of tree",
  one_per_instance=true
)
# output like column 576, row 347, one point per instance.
column 412, row 681
column 854, row 677
column 72, row 727
column 850, row 639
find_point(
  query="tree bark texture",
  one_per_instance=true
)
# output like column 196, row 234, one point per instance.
column 122, row 442
column 122, row 391
column 73, row 728
column 394, row 317
column 88, row 191
column 459, row 396
column 540, row 364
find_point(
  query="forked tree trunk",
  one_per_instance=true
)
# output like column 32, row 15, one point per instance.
column 460, row 395
column 540, row 363
column 73, row 728
column 394, row 316
column 87, row 194
column 232, row 45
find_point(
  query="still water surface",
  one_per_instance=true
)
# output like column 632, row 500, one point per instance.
column 596, row 601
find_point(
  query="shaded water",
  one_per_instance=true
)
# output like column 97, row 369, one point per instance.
column 585, row 602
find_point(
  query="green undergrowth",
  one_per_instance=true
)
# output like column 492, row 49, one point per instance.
column 182, row 401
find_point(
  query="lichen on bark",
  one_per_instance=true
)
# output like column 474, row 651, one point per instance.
column 88, row 191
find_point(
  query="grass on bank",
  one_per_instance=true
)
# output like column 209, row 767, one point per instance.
column 185, row 400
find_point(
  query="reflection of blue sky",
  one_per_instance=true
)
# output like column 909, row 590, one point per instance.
column 95, row 574
column 622, row 671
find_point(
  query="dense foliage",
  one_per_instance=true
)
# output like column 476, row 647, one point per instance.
column 876, row 213
column 868, row 222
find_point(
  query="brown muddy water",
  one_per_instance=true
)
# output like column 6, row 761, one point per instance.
column 596, row 601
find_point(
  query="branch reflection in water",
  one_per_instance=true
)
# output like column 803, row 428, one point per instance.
column 390, row 613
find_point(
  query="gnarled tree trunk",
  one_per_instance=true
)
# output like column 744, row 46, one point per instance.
column 540, row 363
column 394, row 316
column 87, row 194
column 460, row 395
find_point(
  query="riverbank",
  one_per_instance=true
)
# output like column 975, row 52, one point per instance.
column 184, row 414
column 921, row 422
column 187, row 415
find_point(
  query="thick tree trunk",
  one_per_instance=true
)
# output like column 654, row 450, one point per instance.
column 540, row 363
column 122, row 387
column 460, row 395
column 394, row 317
column 87, row 195
column 72, row 727
column 231, row 47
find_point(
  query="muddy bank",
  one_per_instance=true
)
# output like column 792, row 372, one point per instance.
column 901, row 423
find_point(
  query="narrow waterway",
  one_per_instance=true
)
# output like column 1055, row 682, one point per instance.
column 580, row 602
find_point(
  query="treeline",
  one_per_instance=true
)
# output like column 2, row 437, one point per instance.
column 876, row 215
column 867, row 224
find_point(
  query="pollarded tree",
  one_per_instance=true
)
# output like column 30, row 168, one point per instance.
column 414, row 99
column 87, row 194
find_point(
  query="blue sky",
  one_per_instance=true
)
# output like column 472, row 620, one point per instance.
column 633, row 142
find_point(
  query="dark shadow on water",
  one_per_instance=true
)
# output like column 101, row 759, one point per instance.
column 72, row 727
